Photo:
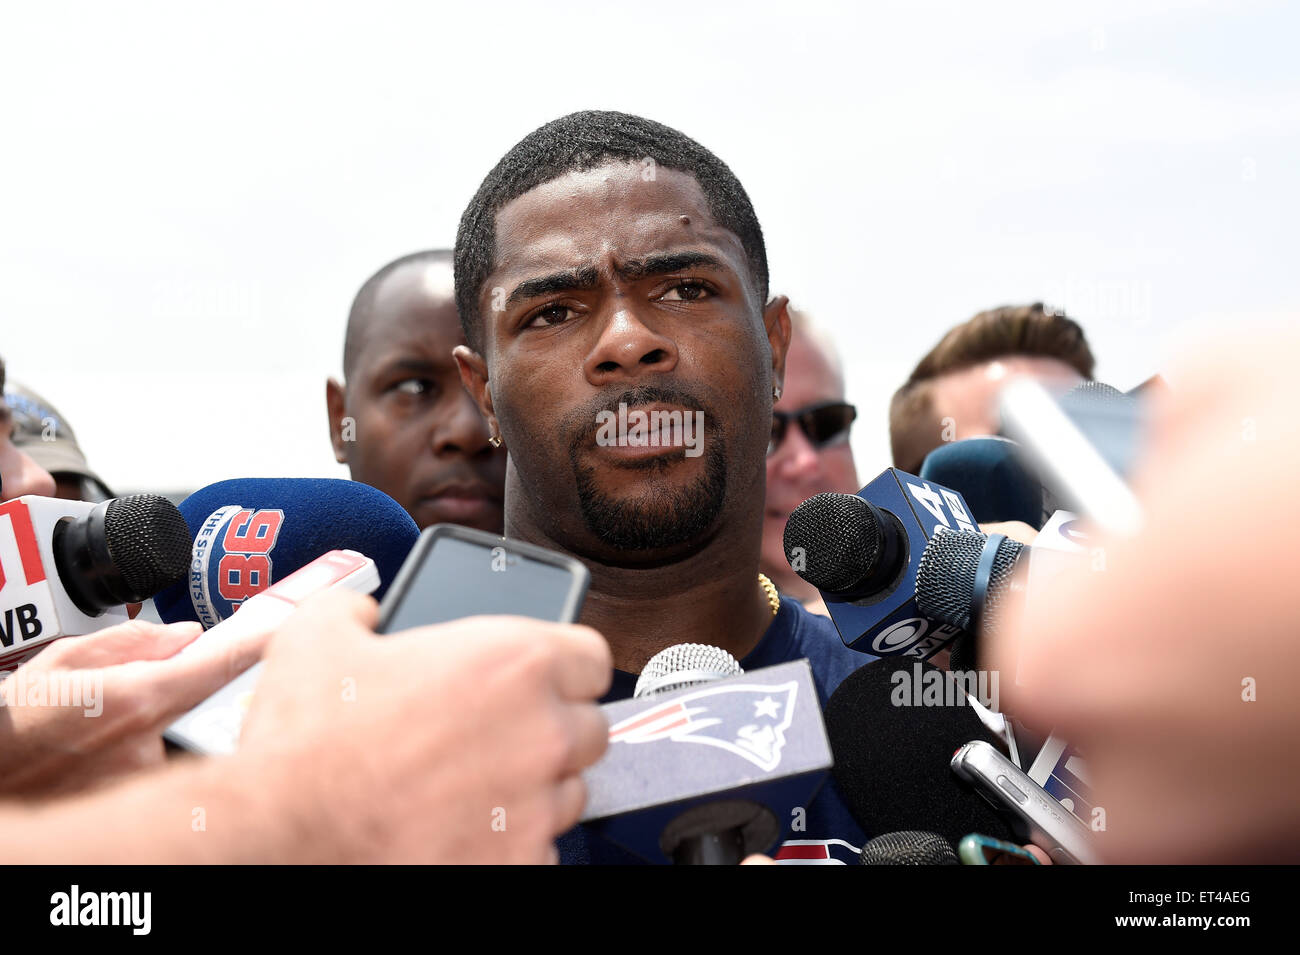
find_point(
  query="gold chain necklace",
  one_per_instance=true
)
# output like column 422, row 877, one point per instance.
column 773, row 598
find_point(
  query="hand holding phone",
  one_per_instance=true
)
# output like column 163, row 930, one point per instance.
column 1035, row 816
column 454, row 572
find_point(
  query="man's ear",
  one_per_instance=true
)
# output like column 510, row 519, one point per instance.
column 336, row 405
column 474, row 377
column 776, row 319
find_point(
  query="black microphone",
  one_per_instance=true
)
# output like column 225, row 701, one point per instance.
column 124, row 551
column 912, row 847
column 892, row 755
column 853, row 548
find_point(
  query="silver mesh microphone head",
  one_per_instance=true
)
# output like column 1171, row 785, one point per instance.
column 683, row 665
column 1095, row 394
column 910, row 847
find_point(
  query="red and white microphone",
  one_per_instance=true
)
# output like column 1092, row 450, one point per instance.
column 70, row 567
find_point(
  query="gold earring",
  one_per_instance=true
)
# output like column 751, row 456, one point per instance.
column 495, row 440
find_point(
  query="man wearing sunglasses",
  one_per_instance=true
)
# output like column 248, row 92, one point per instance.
column 809, row 452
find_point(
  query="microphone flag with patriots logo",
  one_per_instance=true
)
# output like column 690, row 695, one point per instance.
column 756, row 736
column 697, row 718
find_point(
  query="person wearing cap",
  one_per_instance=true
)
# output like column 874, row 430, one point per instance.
column 19, row 474
column 42, row 433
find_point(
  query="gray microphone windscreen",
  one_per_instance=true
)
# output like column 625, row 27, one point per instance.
column 945, row 578
column 1092, row 391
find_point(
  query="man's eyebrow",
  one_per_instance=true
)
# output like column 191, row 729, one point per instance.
column 669, row 263
column 566, row 281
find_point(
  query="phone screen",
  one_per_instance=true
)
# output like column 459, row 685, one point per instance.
column 459, row 578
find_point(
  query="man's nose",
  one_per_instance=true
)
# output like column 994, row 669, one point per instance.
column 796, row 459
column 629, row 346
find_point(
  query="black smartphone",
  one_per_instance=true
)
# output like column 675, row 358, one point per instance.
column 455, row 572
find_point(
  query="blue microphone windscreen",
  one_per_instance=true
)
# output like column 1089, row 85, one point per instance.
column 988, row 474
column 250, row 533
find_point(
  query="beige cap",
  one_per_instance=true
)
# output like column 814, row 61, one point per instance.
column 43, row 434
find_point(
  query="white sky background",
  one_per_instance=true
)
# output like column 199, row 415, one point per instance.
column 191, row 195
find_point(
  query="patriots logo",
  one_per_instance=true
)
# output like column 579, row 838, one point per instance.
column 746, row 719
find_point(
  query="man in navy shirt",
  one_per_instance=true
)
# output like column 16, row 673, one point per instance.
column 612, row 281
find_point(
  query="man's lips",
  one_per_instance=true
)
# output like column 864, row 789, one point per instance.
column 466, row 490
column 461, row 502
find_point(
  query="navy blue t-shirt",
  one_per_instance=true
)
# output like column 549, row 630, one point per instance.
column 831, row 835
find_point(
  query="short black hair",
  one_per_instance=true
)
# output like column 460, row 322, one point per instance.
column 363, row 304
column 576, row 143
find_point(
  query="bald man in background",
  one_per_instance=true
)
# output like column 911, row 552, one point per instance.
column 401, row 420
column 799, row 463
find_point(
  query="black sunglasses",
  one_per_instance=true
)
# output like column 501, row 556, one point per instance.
column 824, row 424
